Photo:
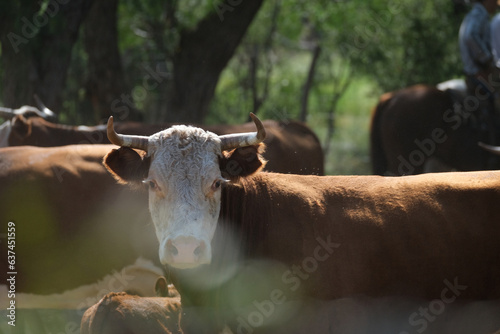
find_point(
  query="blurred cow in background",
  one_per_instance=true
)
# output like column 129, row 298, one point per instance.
column 291, row 146
column 422, row 129
column 25, row 112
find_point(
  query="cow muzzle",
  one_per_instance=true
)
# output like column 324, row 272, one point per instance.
column 185, row 252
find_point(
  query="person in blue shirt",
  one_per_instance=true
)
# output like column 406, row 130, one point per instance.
column 482, row 76
column 495, row 38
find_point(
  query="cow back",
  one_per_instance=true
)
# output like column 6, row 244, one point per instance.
column 119, row 313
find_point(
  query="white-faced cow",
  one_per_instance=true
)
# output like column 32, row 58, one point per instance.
column 214, row 211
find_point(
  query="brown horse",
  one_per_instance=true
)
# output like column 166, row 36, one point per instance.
column 422, row 129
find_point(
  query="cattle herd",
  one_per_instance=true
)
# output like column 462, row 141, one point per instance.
column 136, row 228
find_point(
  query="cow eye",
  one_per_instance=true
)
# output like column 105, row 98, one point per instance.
column 217, row 184
column 152, row 184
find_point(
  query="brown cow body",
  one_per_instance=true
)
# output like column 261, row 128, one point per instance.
column 335, row 237
column 418, row 126
column 291, row 146
column 281, row 237
column 119, row 313
column 69, row 232
column 378, row 224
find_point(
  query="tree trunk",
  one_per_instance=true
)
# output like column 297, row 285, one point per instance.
column 105, row 81
column 255, row 51
column 341, row 81
column 36, row 49
column 308, row 84
column 202, row 55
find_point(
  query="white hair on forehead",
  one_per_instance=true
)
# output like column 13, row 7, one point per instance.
column 186, row 156
column 184, row 138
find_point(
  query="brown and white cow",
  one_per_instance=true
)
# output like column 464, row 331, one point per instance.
column 216, row 215
column 292, row 147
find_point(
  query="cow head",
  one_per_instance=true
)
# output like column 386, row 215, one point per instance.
column 185, row 168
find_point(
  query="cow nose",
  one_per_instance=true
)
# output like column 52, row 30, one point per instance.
column 186, row 252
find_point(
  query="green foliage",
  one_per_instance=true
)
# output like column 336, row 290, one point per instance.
column 375, row 45
column 349, row 153
column 397, row 43
column 401, row 43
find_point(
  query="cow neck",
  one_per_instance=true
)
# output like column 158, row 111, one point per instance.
column 241, row 235
column 245, row 211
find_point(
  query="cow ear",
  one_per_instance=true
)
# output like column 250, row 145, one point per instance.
column 161, row 287
column 21, row 128
column 127, row 165
column 242, row 162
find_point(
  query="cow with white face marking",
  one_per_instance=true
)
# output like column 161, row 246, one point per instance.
column 322, row 237
column 183, row 172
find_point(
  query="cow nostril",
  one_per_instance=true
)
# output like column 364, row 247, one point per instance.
column 200, row 249
column 197, row 251
column 172, row 249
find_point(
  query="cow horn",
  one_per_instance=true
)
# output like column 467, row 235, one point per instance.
column 490, row 148
column 24, row 110
column 139, row 142
column 229, row 142
column 7, row 113
column 45, row 112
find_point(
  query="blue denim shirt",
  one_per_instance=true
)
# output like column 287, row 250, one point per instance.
column 474, row 40
column 495, row 38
